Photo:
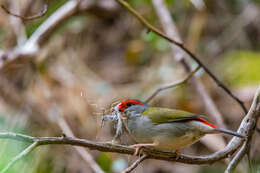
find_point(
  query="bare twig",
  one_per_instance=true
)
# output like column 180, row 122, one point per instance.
column 247, row 127
column 19, row 156
column 180, row 45
column 135, row 164
column 82, row 151
column 32, row 46
column 172, row 85
column 178, row 54
column 110, row 147
column 232, row 165
column 36, row 16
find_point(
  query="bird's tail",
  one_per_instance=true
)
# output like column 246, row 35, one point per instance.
column 230, row 132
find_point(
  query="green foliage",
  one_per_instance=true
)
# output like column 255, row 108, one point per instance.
column 74, row 23
column 104, row 160
column 212, row 169
column 52, row 7
column 155, row 41
column 170, row 2
column 138, row 3
column 3, row 33
column 10, row 148
column 241, row 68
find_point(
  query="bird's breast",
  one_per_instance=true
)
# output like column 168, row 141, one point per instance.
column 169, row 136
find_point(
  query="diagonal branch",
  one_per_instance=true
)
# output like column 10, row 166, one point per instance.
column 172, row 85
column 82, row 151
column 180, row 45
column 178, row 54
column 251, row 119
column 232, row 165
column 135, row 164
column 32, row 46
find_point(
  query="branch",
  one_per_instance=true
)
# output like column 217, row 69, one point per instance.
column 240, row 154
column 36, row 16
column 252, row 119
column 32, row 46
column 172, row 85
column 180, row 45
column 178, row 54
column 135, row 164
column 247, row 127
column 82, row 152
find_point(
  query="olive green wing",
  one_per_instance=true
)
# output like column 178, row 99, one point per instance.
column 164, row 115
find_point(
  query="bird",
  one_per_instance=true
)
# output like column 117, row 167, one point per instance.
column 164, row 128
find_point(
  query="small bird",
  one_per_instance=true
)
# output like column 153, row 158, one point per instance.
column 165, row 128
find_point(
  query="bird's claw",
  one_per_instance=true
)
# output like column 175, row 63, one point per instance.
column 178, row 154
column 138, row 148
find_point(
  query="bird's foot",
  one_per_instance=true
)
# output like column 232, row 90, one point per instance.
column 138, row 147
column 178, row 153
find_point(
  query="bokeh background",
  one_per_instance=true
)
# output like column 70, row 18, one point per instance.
column 99, row 56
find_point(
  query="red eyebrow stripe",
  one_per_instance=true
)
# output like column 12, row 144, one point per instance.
column 207, row 123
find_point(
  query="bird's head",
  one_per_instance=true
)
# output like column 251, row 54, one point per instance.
column 125, row 104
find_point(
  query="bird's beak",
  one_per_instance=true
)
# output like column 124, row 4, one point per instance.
column 118, row 113
column 116, row 108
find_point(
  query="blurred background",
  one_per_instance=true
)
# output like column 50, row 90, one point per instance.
column 102, row 54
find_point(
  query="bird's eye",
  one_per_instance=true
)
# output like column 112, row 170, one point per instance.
column 129, row 104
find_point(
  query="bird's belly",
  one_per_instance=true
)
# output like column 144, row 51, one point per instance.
column 168, row 136
column 176, row 142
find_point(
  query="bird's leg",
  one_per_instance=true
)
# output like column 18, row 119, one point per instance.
column 178, row 153
column 139, row 146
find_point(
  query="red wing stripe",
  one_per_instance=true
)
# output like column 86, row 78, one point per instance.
column 207, row 123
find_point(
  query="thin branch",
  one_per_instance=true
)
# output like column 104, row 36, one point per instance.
column 36, row 16
column 82, row 151
column 247, row 127
column 19, row 156
column 172, row 85
column 232, row 165
column 32, row 46
column 180, row 45
column 169, row 27
column 251, row 120
column 110, row 147
column 135, row 164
